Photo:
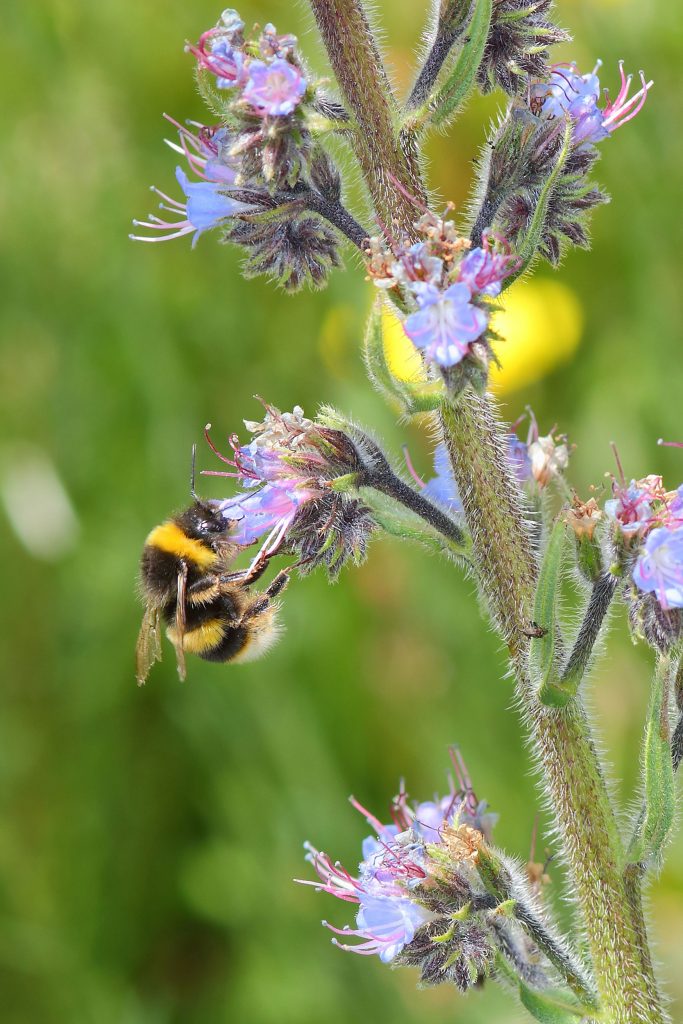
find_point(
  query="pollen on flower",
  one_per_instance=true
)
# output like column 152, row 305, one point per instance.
column 463, row 843
column 659, row 568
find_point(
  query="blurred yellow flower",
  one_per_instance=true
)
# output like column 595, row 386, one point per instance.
column 541, row 324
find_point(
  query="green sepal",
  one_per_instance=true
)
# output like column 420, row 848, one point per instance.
column 528, row 247
column 492, row 873
column 444, row 103
column 214, row 99
column 545, row 671
column 656, row 818
column 550, row 1007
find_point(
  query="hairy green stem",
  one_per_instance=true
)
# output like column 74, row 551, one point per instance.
column 568, row 760
column 452, row 19
column 355, row 58
column 499, row 881
column 589, row 631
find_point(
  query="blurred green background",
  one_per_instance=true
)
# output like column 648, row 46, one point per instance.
column 149, row 836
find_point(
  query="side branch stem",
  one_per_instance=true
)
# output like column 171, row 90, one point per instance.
column 589, row 631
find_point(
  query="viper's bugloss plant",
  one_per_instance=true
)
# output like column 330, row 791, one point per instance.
column 431, row 890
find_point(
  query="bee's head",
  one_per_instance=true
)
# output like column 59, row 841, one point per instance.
column 203, row 521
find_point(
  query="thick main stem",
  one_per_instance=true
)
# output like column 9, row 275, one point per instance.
column 507, row 570
column 355, row 57
column 568, row 759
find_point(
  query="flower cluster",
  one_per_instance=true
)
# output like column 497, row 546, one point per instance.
column 208, row 202
column 517, row 45
column 415, row 874
column 249, row 164
column 527, row 149
column 648, row 519
column 286, row 499
column 448, row 285
column 262, row 90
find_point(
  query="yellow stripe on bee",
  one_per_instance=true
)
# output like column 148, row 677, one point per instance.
column 169, row 537
column 203, row 638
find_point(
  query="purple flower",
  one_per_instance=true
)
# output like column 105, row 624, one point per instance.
column 273, row 45
column 219, row 50
column 676, row 506
column 230, row 60
column 284, row 474
column 519, row 458
column 269, row 509
column 205, row 207
column 274, row 89
column 659, row 568
column 388, row 923
column 207, row 151
column 483, row 270
column 446, row 324
column 631, row 508
column 442, row 488
column 575, row 95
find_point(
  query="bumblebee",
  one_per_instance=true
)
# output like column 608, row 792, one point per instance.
column 208, row 611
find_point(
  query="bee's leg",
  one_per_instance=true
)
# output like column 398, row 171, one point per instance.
column 248, row 576
column 203, row 589
column 276, row 587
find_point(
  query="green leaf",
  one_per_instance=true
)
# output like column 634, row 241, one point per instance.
column 443, row 105
column 543, row 653
column 547, row 1008
column 656, row 818
column 412, row 398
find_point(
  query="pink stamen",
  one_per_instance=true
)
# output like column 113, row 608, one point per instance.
column 370, row 818
column 621, row 112
column 184, row 230
column 408, row 195
column 669, row 444
column 411, row 469
column 620, row 468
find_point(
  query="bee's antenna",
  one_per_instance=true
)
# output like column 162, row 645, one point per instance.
column 192, row 473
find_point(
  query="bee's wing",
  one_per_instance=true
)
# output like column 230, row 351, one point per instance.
column 148, row 647
column 180, row 620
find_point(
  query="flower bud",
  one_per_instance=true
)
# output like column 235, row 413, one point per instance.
column 517, row 46
column 583, row 517
column 549, row 459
